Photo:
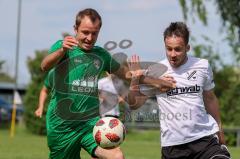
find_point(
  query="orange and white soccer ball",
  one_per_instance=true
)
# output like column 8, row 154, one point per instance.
column 109, row 132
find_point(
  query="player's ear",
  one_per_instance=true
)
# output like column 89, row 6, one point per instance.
column 188, row 47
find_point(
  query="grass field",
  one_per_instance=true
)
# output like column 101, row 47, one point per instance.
column 138, row 145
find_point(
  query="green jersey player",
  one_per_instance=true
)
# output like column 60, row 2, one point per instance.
column 74, row 106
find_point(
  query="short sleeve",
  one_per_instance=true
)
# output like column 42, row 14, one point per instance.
column 209, row 82
column 56, row 46
column 110, row 64
column 48, row 82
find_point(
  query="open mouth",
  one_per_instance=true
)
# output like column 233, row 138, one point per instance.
column 174, row 62
column 87, row 45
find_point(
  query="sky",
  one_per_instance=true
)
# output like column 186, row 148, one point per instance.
column 141, row 21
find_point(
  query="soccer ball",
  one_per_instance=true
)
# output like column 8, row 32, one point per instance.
column 109, row 132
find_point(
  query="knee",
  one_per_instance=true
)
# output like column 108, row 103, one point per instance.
column 109, row 154
column 118, row 155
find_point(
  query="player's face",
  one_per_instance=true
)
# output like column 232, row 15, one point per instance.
column 176, row 51
column 87, row 33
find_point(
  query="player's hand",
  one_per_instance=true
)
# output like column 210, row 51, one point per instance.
column 169, row 79
column 165, row 84
column 224, row 147
column 39, row 112
column 69, row 42
column 221, row 137
column 120, row 99
column 134, row 67
column 221, row 141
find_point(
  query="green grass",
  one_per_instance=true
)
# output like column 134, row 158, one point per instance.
column 138, row 144
column 23, row 146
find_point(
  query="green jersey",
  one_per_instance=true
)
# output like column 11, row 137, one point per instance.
column 74, row 102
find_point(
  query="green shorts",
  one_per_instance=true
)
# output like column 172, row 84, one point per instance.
column 66, row 140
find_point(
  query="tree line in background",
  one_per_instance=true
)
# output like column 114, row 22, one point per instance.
column 34, row 124
column 226, row 75
column 4, row 77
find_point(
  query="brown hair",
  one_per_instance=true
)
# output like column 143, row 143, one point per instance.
column 178, row 29
column 91, row 13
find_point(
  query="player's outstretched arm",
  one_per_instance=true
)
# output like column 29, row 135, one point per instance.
column 42, row 99
column 52, row 59
column 212, row 107
column 135, row 98
column 163, row 84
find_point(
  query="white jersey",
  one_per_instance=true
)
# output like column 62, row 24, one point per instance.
column 109, row 106
column 183, row 117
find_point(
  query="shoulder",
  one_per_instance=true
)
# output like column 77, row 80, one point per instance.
column 104, row 80
column 101, row 80
column 58, row 42
column 198, row 61
column 100, row 49
column 165, row 64
column 164, row 61
column 57, row 45
column 101, row 52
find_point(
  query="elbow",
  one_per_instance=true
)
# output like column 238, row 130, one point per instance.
column 44, row 67
column 136, row 102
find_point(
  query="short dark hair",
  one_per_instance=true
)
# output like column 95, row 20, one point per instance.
column 91, row 13
column 178, row 29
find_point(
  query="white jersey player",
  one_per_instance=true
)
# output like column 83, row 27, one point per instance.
column 183, row 115
column 189, row 113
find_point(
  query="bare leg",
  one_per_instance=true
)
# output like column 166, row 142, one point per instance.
column 115, row 153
